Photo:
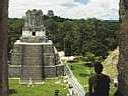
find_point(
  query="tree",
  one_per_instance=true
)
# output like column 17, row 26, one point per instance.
column 123, row 49
column 15, row 31
column 3, row 48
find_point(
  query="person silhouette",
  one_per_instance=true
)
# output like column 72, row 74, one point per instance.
column 99, row 84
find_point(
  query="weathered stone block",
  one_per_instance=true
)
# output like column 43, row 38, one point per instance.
column 14, row 71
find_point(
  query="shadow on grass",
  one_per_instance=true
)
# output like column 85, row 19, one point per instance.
column 88, row 65
column 83, row 75
column 12, row 91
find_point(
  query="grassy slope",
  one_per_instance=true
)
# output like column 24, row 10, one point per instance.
column 47, row 89
column 81, row 72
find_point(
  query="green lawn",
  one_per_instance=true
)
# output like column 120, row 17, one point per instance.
column 47, row 89
column 83, row 73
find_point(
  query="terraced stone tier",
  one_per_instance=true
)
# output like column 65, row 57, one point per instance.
column 37, row 61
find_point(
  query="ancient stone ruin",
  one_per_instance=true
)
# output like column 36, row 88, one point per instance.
column 50, row 13
column 34, row 57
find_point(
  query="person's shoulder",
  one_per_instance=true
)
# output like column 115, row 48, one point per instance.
column 106, row 76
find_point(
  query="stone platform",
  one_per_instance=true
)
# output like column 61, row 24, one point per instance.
column 35, row 61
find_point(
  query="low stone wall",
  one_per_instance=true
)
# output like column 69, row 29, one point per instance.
column 49, row 71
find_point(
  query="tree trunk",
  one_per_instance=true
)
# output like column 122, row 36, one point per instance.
column 3, row 47
column 123, row 49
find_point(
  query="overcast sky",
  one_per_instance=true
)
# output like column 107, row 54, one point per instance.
column 76, row 9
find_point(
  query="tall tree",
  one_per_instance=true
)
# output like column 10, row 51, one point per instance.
column 3, row 47
column 123, row 49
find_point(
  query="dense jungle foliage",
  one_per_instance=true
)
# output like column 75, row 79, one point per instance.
column 74, row 36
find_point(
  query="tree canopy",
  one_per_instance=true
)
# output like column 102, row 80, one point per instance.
column 75, row 37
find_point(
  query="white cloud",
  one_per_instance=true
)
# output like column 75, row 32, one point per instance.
column 101, row 9
column 105, row 9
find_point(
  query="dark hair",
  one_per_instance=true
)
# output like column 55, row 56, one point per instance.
column 98, row 67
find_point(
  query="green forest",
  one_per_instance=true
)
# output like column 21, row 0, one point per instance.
column 79, row 37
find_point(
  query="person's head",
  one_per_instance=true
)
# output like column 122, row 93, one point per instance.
column 98, row 67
